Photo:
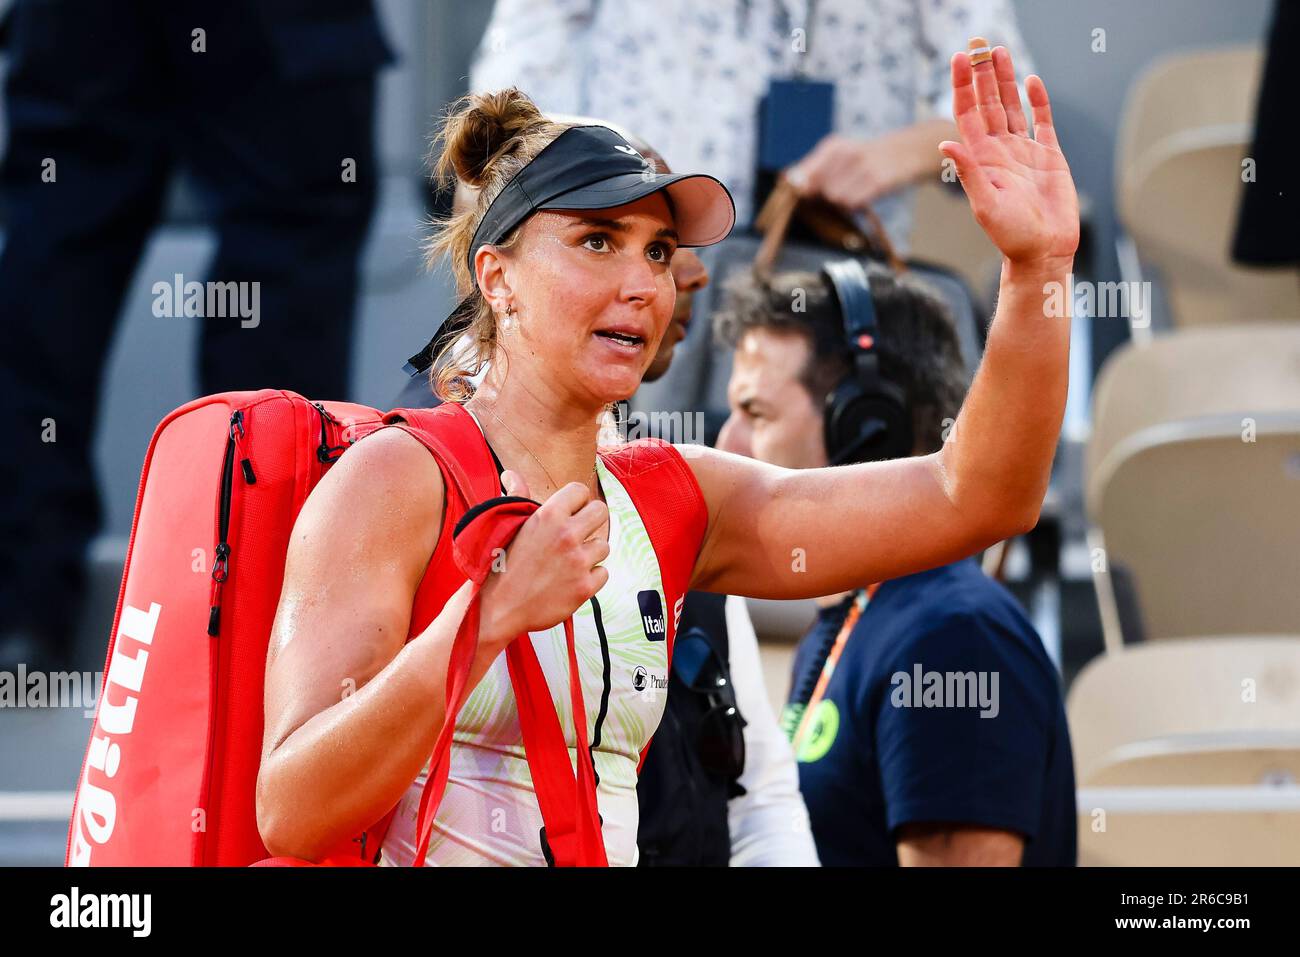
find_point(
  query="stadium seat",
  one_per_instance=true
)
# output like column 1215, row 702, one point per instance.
column 1188, row 90
column 1186, row 130
column 1209, row 829
column 1188, row 753
column 1192, row 483
column 945, row 233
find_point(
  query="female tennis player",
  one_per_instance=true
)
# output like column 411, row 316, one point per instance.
column 564, row 262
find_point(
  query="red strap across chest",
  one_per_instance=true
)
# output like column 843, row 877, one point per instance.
column 671, row 506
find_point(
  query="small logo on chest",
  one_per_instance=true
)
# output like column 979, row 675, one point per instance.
column 652, row 615
column 643, row 680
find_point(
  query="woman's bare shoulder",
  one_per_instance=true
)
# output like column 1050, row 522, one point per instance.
column 360, row 547
column 385, row 492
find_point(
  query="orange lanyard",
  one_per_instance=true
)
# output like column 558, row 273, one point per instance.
column 851, row 619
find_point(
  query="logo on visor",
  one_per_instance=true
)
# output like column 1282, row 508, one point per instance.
column 652, row 615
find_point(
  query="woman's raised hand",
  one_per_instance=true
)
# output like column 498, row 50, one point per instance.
column 1019, row 187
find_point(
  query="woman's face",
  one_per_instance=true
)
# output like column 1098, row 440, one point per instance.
column 579, row 279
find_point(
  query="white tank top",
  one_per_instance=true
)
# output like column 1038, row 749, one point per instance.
column 489, row 813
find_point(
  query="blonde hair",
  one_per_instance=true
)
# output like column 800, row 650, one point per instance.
column 485, row 140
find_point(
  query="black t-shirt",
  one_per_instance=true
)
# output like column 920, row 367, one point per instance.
column 943, row 706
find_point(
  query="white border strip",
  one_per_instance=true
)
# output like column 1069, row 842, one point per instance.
column 1189, row 800
column 36, row 805
column 57, row 805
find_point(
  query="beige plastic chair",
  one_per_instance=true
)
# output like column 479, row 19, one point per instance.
column 1141, row 833
column 1188, row 90
column 1186, row 129
column 1180, row 208
column 1205, row 521
column 945, row 233
column 1190, row 374
column 1137, row 713
column 1188, row 753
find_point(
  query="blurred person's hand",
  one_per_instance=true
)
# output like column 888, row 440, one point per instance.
column 853, row 173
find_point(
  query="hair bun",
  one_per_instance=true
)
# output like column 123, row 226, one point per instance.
column 484, row 127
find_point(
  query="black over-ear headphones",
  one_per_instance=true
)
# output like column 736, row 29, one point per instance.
column 866, row 416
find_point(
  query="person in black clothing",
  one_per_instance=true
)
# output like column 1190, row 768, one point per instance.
column 1270, row 204
column 926, row 717
column 269, row 108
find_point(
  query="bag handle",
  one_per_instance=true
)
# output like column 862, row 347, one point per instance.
column 567, row 840
column 834, row 227
column 571, row 839
column 456, row 440
column 571, row 835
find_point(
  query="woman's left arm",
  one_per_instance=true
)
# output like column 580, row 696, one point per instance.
column 799, row 533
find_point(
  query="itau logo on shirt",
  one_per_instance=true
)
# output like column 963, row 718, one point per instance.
column 652, row 615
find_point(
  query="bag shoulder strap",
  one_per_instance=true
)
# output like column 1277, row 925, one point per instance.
column 571, row 835
column 450, row 433
column 671, row 505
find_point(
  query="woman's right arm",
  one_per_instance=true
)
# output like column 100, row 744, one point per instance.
column 352, row 709
column 351, row 714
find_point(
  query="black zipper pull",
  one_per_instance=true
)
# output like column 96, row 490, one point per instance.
column 324, row 449
column 221, row 564
column 220, row 570
column 237, row 434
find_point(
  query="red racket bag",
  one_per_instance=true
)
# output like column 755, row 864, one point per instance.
column 171, row 766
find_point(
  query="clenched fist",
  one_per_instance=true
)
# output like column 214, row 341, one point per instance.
column 550, row 569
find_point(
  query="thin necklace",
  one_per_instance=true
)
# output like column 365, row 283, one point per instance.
column 554, row 484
